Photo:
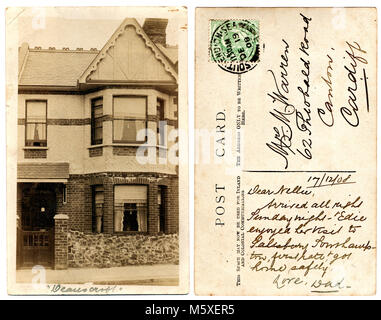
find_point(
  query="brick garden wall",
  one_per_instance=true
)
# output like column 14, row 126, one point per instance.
column 106, row 250
column 60, row 241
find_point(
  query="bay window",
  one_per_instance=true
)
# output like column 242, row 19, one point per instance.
column 129, row 117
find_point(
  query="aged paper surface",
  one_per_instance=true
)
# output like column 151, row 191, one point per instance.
column 285, row 172
column 97, row 150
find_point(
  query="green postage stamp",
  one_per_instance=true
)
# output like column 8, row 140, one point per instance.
column 234, row 44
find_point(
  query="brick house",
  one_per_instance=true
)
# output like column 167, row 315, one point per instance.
column 83, row 198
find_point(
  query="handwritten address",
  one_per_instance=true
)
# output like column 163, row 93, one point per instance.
column 293, row 117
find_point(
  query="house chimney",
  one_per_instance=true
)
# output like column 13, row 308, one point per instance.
column 155, row 29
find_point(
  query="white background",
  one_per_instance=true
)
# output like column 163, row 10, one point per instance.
column 191, row 5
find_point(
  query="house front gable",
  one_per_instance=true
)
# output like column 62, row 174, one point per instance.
column 130, row 57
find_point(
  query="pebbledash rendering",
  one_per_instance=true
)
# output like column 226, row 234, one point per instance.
column 84, row 197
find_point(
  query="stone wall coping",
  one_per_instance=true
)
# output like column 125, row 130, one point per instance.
column 61, row 217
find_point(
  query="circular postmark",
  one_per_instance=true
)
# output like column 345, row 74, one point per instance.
column 234, row 44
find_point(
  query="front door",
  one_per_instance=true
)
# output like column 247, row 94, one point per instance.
column 36, row 235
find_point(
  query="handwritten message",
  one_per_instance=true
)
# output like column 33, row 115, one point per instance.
column 305, row 234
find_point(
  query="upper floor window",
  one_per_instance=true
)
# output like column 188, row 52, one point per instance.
column 35, row 124
column 96, row 121
column 160, row 122
column 129, row 117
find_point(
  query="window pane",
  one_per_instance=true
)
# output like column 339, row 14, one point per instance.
column 126, row 130
column 96, row 121
column 97, row 112
column 133, row 107
column 161, row 124
column 97, row 205
column 36, row 131
column 130, row 211
column 142, row 217
column 98, row 133
column 127, row 219
column 36, row 111
column 99, row 197
column 161, row 201
column 130, row 217
column 131, row 194
column 161, row 127
column 160, row 109
column 97, row 102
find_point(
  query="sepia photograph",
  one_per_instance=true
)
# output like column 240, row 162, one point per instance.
column 93, row 141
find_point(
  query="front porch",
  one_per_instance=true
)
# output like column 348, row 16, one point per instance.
column 41, row 232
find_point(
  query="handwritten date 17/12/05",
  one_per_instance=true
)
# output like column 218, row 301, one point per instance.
column 329, row 180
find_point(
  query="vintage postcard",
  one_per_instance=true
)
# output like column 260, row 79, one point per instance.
column 97, row 150
column 285, row 172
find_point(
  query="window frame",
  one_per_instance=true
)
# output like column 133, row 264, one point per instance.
column 129, row 118
column 93, row 141
column 163, row 218
column 94, row 191
column 64, row 194
column 146, row 209
column 161, row 139
column 26, row 123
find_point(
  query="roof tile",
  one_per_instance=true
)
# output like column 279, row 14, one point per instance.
column 55, row 68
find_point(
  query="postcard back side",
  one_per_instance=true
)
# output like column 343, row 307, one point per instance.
column 285, row 151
